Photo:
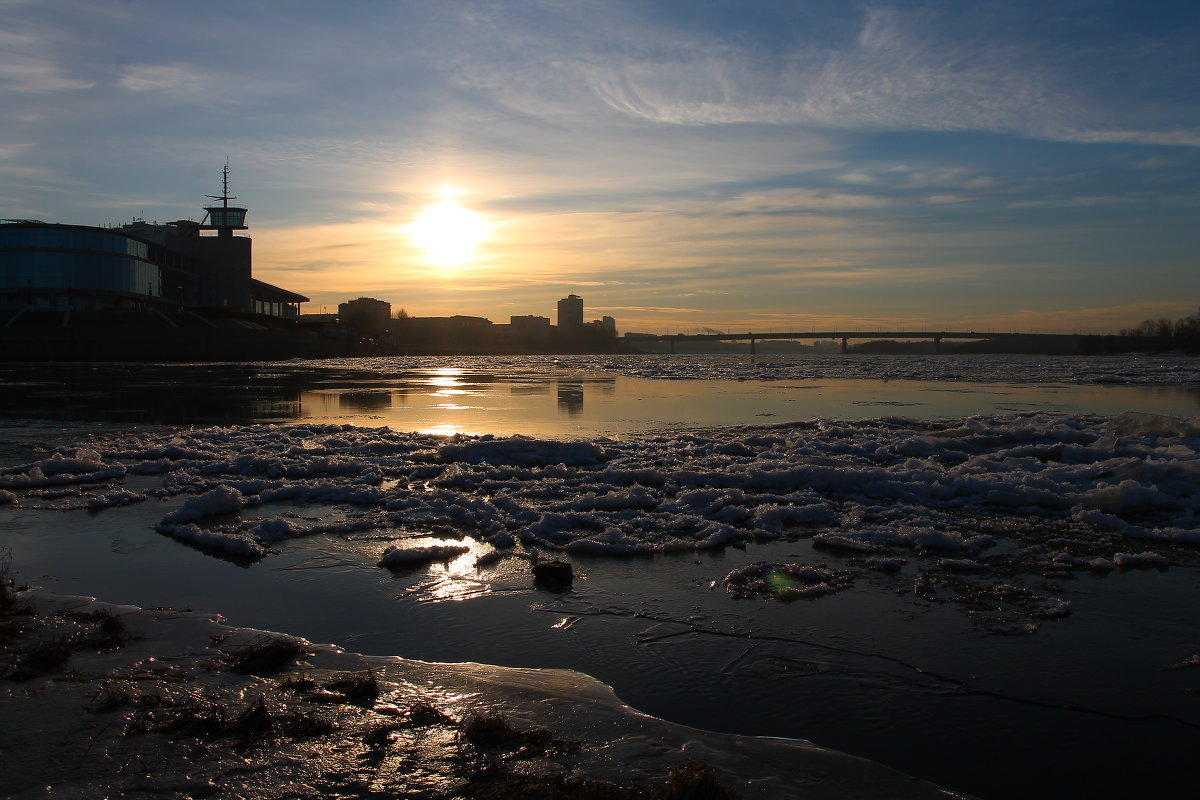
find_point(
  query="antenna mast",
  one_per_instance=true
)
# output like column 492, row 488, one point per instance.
column 225, row 219
column 224, row 196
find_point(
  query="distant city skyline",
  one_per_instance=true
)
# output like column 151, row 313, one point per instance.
column 751, row 165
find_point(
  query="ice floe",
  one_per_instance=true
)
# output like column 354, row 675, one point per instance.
column 923, row 501
column 395, row 556
column 60, row 469
column 786, row 581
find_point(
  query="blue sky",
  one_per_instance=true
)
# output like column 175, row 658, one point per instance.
column 682, row 165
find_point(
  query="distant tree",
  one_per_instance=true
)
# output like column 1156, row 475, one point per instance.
column 1187, row 333
column 1164, row 334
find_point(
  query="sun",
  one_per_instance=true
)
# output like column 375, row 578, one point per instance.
column 448, row 233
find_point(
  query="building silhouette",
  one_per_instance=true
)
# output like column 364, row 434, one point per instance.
column 144, row 291
column 529, row 329
column 138, row 266
column 605, row 326
column 570, row 314
column 370, row 317
column 367, row 322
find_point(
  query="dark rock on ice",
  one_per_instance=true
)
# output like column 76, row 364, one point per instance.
column 555, row 574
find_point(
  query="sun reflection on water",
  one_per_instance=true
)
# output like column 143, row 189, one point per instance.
column 456, row 579
column 444, row 429
column 446, row 376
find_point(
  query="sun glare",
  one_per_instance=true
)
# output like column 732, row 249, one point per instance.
column 448, row 233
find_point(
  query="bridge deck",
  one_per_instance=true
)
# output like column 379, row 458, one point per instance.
column 854, row 335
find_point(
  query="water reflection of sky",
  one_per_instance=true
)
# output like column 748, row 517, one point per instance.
column 590, row 404
column 544, row 401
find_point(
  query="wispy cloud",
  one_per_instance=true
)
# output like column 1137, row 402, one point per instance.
column 27, row 67
column 946, row 199
column 1189, row 137
column 172, row 78
column 797, row 200
column 1077, row 202
column 905, row 69
column 650, row 309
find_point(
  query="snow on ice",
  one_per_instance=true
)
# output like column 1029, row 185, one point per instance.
column 395, row 556
column 894, row 496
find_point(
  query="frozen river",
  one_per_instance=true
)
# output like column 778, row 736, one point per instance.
column 980, row 571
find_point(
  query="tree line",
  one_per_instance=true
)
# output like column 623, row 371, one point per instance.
column 1165, row 334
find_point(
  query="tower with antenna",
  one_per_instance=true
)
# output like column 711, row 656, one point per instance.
column 224, row 219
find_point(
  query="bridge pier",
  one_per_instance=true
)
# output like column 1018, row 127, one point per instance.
column 752, row 350
column 937, row 345
column 845, row 346
column 671, row 342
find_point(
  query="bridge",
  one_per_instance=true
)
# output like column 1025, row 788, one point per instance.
column 1056, row 340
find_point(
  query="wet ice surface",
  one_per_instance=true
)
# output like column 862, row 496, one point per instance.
column 947, row 596
column 159, row 702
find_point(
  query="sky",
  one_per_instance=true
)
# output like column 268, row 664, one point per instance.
column 683, row 165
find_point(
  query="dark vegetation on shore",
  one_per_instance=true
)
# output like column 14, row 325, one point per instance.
column 1151, row 336
column 1158, row 335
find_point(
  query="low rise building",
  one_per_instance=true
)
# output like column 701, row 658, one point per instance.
column 529, row 329
column 370, row 317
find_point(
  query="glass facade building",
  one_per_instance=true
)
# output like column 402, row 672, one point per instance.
column 63, row 267
column 60, row 266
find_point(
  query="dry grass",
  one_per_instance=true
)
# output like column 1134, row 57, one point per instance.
column 110, row 630
column 254, row 722
column 359, row 688
column 497, row 781
column 494, row 732
column 42, row 658
column 299, row 682
column 695, row 781
column 254, row 725
column 8, row 587
column 378, row 737
column 269, row 655
column 195, row 717
column 111, row 696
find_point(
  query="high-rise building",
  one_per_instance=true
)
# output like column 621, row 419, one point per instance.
column 570, row 313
